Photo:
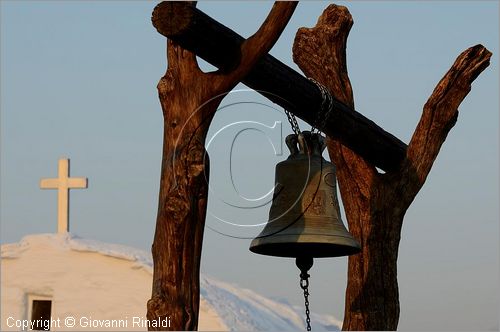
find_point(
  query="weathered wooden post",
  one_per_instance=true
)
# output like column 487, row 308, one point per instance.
column 189, row 99
column 375, row 203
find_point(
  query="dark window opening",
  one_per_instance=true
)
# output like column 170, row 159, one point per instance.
column 40, row 315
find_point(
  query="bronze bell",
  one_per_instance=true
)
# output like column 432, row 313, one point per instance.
column 304, row 220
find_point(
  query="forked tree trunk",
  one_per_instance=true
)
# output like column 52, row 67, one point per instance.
column 183, row 194
column 189, row 99
column 375, row 204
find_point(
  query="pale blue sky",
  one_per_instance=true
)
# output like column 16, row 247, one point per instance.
column 78, row 79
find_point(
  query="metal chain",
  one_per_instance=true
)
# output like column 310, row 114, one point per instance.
column 293, row 122
column 326, row 106
column 304, row 284
column 324, row 111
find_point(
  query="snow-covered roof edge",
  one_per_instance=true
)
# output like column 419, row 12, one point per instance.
column 218, row 294
column 70, row 241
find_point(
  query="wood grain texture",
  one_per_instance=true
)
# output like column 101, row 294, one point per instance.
column 189, row 99
column 224, row 48
column 374, row 203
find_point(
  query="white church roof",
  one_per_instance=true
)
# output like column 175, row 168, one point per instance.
column 68, row 241
column 227, row 305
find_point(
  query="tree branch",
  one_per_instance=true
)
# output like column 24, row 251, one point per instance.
column 324, row 46
column 441, row 112
column 179, row 18
column 259, row 44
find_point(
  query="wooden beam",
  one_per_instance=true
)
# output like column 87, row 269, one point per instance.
column 220, row 46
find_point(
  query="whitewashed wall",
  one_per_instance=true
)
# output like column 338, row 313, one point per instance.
column 84, row 279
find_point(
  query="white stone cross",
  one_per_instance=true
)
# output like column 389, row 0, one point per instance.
column 63, row 183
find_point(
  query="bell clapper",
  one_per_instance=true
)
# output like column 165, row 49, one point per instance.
column 304, row 264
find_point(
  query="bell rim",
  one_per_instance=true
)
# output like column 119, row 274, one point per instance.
column 309, row 245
